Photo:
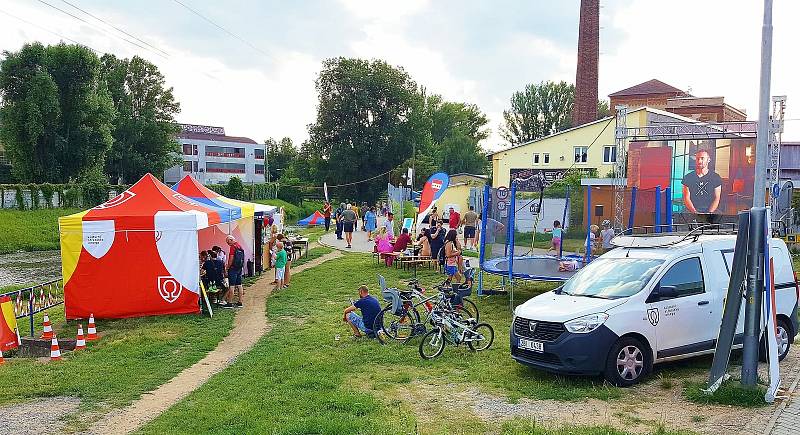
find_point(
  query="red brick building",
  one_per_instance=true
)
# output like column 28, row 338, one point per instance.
column 659, row 95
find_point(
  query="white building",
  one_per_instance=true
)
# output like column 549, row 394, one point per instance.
column 212, row 157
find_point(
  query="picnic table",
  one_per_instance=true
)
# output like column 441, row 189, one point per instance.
column 298, row 244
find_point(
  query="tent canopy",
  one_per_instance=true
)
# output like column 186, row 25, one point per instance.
column 316, row 218
column 136, row 254
column 233, row 208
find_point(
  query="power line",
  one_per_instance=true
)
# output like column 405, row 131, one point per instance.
column 233, row 35
column 99, row 29
column 50, row 31
column 115, row 27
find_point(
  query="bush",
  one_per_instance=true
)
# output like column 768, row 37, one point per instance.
column 235, row 188
column 47, row 191
column 34, row 191
column 289, row 191
column 20, row 198
column 72, row 196
column 95, row 188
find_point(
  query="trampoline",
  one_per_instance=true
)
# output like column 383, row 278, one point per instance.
column 532, row 267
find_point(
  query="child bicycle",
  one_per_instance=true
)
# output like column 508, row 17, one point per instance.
column 452, row 328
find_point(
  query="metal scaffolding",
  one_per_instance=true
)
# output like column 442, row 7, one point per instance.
column 775, row 134
column 621, row 143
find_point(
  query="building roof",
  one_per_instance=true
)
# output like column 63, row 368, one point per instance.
column 653, row 86
column 215, row 137
column 606, row 119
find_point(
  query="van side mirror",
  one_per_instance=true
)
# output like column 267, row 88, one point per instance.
column 662, row 292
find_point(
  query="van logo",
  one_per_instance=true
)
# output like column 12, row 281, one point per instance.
column 652, row 316
column 532, row 326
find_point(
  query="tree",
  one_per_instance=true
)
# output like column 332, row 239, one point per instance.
column 603, row 109
column 370, row 115
column 145, row 127
column 538, row 111
column 56, row 113
column 281, row 156
column 456, row 130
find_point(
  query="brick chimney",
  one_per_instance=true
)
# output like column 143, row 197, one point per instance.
column 585, row 108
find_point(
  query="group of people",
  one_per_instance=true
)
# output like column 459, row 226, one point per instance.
column 280, row 257
column 221, row 273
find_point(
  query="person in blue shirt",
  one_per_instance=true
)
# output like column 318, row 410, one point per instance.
column 370, row 222
column 369, row 306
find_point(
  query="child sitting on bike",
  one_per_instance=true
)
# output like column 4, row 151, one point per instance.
column 369, row 306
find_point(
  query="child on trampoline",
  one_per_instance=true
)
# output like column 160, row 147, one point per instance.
column 555, row 243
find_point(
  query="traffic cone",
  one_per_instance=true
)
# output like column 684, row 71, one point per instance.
column 92, row 332
column 2, row 361
column 55, row 352
column 47, row 332
column 80, row 343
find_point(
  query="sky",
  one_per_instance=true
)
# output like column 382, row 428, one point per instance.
column 256, row 77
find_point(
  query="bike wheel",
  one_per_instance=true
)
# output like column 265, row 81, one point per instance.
column 432, row 344
column 468, row 310
column 481, row 337
column 395, row 327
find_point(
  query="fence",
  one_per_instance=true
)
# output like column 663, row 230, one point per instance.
column 32, row 300
column 33, row 196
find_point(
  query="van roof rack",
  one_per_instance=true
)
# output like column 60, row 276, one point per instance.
column 659, row 236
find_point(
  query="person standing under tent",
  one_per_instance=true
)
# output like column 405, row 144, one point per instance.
column 370, row 223
column 326, row 211
column 349, row 218
column 470, row 221
column 606, row 235
column 234, row 269
column 220, row 254
column 339, row 222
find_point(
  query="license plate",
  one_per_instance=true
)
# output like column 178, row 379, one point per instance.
column 536, row 346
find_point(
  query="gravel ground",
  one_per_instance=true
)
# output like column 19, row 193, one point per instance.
column 41, row 416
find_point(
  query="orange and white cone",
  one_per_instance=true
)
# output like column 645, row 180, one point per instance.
column 2, row 360
column 55, row 352
column 92, row 332
column 47, row 331
column 80, row 342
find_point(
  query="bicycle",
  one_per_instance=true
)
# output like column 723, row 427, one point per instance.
column 402, row 321
column 451, row 328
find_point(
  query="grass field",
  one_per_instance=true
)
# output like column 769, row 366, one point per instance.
column 300, row 379
column 30, row 230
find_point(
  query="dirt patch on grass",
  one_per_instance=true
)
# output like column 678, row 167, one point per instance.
column 249, row 325
column 41, row 416
column 299, row 321
column 643, row 409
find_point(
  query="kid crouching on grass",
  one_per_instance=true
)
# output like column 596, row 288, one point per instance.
column 280, row 265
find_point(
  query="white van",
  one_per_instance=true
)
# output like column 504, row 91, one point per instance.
column 633, row 307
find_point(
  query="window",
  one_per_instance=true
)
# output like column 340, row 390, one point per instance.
column 546, row 157
column 259, row 153
column 612, row 278
column 581, row 154
column 536, row 159
column 189, row 149
column 259, row 169
column 609, row 154
column 230, row 168
column 685, row 276
column 216, row 151
column 187, row 166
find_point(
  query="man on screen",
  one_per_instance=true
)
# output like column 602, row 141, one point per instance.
column 702, row 188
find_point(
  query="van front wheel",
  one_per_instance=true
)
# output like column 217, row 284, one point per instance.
column 628, row 361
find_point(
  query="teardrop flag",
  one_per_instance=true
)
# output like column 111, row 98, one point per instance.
column 434, row 188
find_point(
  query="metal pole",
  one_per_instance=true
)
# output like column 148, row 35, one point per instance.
column 482, row 248
column 752, row 311
column 668, row 208
column 754, row 296
column 657, row 219
column 511, row 230
column 30, row 309
column 632, row 212
column 762, row 139
column 588, row 223
column 563, row 224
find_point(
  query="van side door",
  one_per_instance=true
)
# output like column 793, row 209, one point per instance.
column 682, row 310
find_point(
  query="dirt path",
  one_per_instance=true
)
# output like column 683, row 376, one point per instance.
column 249, row 325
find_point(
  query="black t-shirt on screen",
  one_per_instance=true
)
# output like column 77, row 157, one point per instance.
column 701, row 189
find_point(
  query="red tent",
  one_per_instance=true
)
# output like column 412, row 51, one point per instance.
column 134, row 255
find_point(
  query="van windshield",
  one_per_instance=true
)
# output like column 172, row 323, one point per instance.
column 612, row 278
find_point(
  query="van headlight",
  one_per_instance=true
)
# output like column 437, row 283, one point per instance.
column 585, row 324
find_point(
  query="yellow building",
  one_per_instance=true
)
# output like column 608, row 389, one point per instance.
column 458, row 193
column 588, row 146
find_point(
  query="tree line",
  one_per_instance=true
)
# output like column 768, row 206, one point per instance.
column 69, row 116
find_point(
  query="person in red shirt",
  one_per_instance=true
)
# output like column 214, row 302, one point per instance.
column 403, row 241
column 326, row 211
column 234, row 269
column 454, row 220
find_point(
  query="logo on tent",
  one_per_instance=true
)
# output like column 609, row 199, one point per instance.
column 185, row 199
column 169, row 288
column 117, row 200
